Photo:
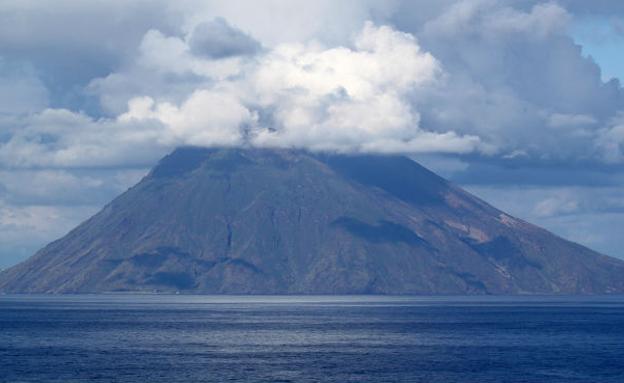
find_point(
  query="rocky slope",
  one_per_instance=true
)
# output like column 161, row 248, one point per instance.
column 259, row 221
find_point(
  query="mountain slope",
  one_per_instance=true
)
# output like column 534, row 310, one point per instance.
column 281, row 221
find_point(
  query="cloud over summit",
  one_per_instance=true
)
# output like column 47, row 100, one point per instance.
column 303, row 95
column 476, row 77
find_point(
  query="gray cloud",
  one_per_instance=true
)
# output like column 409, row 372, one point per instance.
column 511, row 75
column 217, row 39
column 26, row 228
column 21, row 90
column 65, row 187
column 70, row 42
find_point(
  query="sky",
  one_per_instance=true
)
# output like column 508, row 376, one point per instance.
column 518, row 101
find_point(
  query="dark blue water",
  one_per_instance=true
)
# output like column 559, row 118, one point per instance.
column 310, row 339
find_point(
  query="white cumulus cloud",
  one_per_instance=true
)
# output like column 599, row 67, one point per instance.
column 354, row 98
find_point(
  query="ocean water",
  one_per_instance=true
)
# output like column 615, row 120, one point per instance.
column 124, row 338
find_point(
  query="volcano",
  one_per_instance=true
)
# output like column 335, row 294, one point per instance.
column 278, row 221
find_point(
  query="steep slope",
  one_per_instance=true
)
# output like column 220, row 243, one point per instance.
column 281, row 221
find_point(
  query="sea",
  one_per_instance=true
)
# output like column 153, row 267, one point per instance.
column 178, row 338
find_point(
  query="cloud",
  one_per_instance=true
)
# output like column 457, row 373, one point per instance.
column 70, row 42
column 56, row 138
column 515, row 79
column 610, row 140
column 488, row 19
column 217, row 39
column 275, row 22
column 206, row 118
column 59, row 138
column 504, row 75
column 295, row 95
column 21, row 90
column 165, row 68
column 64, row 187
column 350, row 99
column 561, row 120
column 25, row 229
column 557, row 205
column 462, row 87
column 173, row 56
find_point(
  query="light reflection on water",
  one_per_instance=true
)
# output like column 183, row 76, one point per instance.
column 184, row 338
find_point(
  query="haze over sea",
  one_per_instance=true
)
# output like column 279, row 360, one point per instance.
column 156, row 338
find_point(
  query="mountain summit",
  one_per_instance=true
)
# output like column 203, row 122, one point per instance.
column 263, row 221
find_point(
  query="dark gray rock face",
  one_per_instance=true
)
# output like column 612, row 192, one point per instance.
column 259, row 221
